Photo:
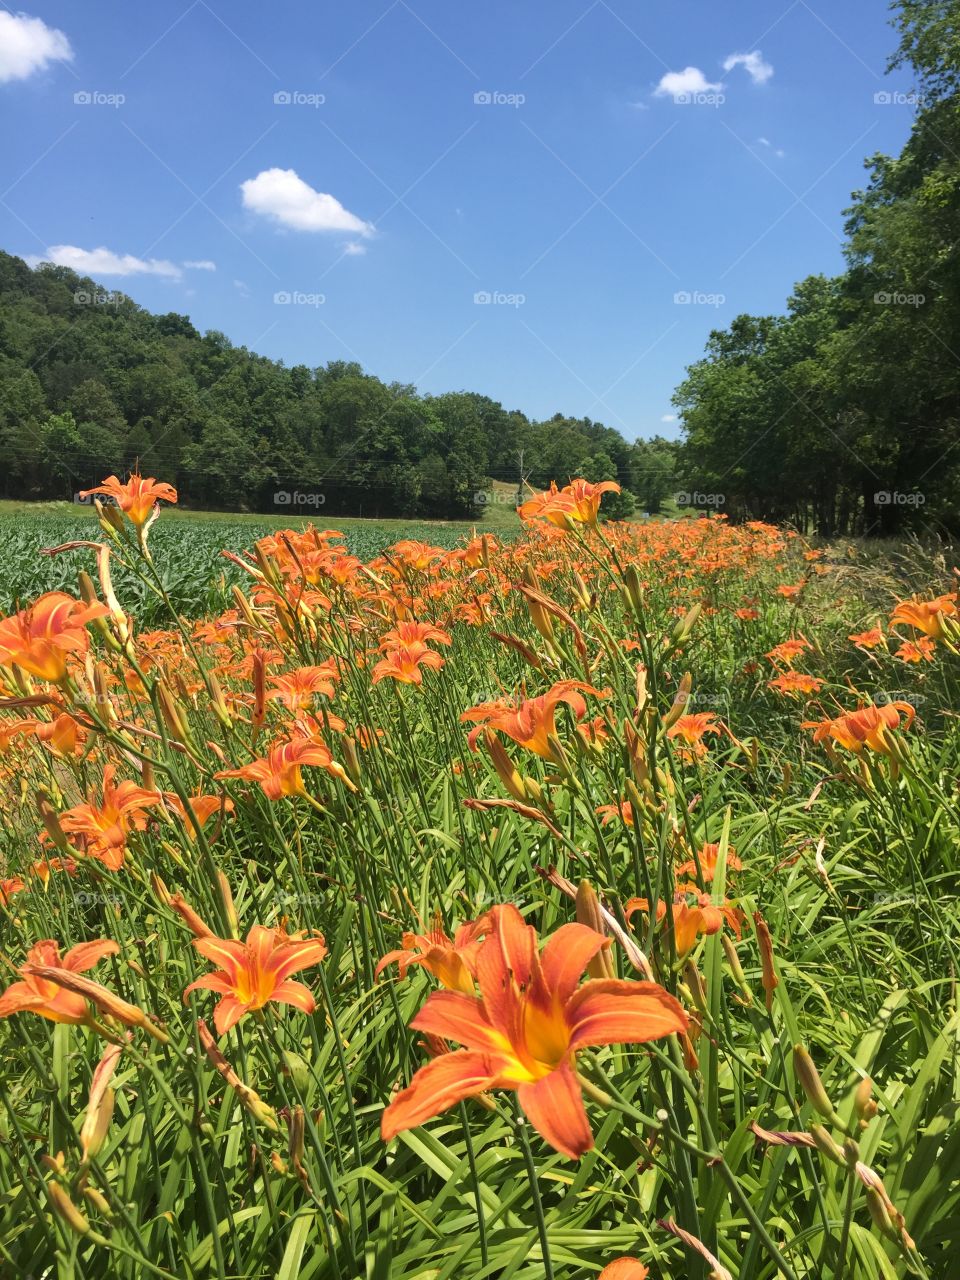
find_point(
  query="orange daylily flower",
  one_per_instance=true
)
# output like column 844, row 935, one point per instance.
column 137, row 497
column 404, row 663
column 409, row 633
column 199, row 809
column 789, row 650
column 926, row 615
column 297, row 689
column 531, row 723
column 689, row 922
column 869, row 726
column 692, row 728
column 103, row 827
column 254, row 972
column 279, row 771
column 608, row 812
column 525, row 1028
column 867, row 639
column 38, row 995
column 586, row 499
column 793, row 682
column 920, row 650
column 577, row 503
column 452, row 962
column 38, row 639
column 8, row 887
column 624, row 1269
column 709, row 853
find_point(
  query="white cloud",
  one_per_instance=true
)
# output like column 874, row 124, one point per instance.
column 27, row 45
column 753, row 63
column 689, row 80
column 669, row 417
column 241, row 288
column 283, row 195
column 203, row 265
column 354, row 249
column 104, row 262
column 777, row 151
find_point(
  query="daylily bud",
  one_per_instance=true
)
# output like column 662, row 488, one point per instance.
column 109, row 1004
column 226, row 895
column 634, row 587
column 862, row 1099
column 160, row 890
column 296, row 1128
column 878, row 1212
column 826, row 1144
column 175, row 722
column 98, row 1201
column 681, row 631
column 507, row 771
column 768, row 974
column 810, row 1081
column 51, row 821
column 851, row 1152
column 733, row 960
column 351, row 761
column 589, row 914
column 680, row 702
column 698, row 992
column 64, row 1207
column 249, row 1098
column 218, row 702
column 100, row 1105
column 190, row 918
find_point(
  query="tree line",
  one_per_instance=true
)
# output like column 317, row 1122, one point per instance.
column 92, row 384
column 843, row 415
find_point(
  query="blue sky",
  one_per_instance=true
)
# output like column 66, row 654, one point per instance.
column 347, row 194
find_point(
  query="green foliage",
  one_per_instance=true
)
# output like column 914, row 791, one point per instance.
column 844, row 414
column 92, row 384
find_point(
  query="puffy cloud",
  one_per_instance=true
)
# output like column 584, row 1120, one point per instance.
column 203, row 265
column 753, row 63
column 690, row 80
column 104, row 262
column 28, row 45
column 283, row 195
column 669, row 417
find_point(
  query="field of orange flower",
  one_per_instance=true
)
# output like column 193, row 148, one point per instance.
column 578, row 906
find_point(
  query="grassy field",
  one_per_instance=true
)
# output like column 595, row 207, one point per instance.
column 278, row 864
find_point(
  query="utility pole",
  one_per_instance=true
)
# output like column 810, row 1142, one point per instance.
column 521, row 496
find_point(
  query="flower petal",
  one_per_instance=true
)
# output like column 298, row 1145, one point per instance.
column 566, row 955
column 554, row 1106
column 297, row 994
column 610, row 1011
column 86, row 954
column 437, row 1086
column 462, row 1018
